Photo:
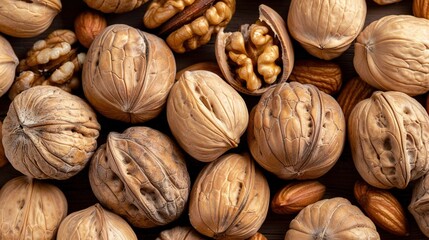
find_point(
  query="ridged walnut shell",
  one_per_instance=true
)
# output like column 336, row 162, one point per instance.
column 8, row 63
column 391, row 54
column 389, row 138
column 419, row 205
column 29, row 18
column 229, row 199
column 180, row 233
column 326, row 28
column 95, row 222
column 296, row 131
column 128, row 74
column 206, row 115
column 114, row 6
column 30, row 209
column 334, row 218
column 49, row 133
column 141, row 175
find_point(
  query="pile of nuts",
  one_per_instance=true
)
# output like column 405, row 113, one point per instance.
column 228, row 133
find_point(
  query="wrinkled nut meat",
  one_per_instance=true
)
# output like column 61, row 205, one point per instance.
column 421, row 8
column 49, row 133
column 8, row 63
column 27, row 18
column 389, row 137
column 54, row 61
column 188, row 23
column 296, row 131
column 30, row 209
column 114, row 6
column 180, row 233
column 419, row 204
column 385, row 2
column 128, row 74
column 95, row 222
column 258, row 56
column 88, row 25
column 229, row 199
column 146, row 182
column 391, row 54
column 326, row 28
column 206, row 115
column 334, row 218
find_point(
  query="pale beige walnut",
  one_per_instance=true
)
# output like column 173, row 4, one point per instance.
column 392, row 53
column 389, row 137
column 8, row 63
column 334, row 218
column 49, row 133
column 95, row 222
column 421, row 8
column 128, row 74
column 189, row 24
column 29, row 18
column 326, row 28
column 88, row 25
column 385, row 2
column 141, row 175
column 419, row 204
column 54, row 61
column 114, row 6
column 30, row 209
column 206, row 115
column 229, row 199
column 258, row 56
column 296, row 131
column 180, row 233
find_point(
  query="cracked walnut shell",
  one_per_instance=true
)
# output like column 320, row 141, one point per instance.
column 141, row 175
column 419, row 204
column 114, row 6
column 49, row 133
column 389, row 137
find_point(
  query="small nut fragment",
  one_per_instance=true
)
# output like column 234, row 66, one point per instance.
column 257, row 236
column 115, row 6
column 296, row 196
column 325, row 75
column 180, row 233
column 88, row 25
column 385, row 2
column 382, row 208
column 421, row 8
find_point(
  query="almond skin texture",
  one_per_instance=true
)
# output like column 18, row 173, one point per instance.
column 421, row 8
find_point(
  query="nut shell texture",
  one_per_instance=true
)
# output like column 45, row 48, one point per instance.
column 128, row 74
column 180, row 233
column 8, row 63
column 419, row 204
column 49, row 133
column 114, row 6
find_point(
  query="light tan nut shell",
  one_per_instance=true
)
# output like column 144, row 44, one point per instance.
column 419, row 204
column 296, row 131
column 206, row 115
column 95, row 222
column 30, row 209
column 27, row 18
column 326, row 28
column 88, row 25
column 391, row 54
column 114, row 6
column 421, row 8
column 334, row 218
column 49, row 133
column 389, row 137
column 207, row 66
column 180, row 233
column 385, row 2
column 128, row 74
column 229, row 199
column 141, row 175
column 8, row 63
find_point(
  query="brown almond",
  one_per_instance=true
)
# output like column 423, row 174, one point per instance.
column 421, row 8
column 258, row 236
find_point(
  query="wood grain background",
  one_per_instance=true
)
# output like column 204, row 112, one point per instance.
column 339, row 180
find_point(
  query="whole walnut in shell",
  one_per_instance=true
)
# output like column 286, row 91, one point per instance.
column 419, row 205
column 49, row 133
column 296, row 131
column 128, row 74
column 27, row 18
column 95, row 222
column 30, row 209
column 391, row 54
column 230, row 198
column 334, row 218
column 8, row 63
column 389, row 137
column 141, row 175
column 114, row 6
column 326, row 28
column 206, row 115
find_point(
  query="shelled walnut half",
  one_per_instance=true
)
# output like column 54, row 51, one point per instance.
column 257, row 56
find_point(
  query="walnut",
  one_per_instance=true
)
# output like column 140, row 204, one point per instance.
column 95, row 222
column 88, row 25
column 326, row 28
column 30, row 209
column 229, row 198
column 54, row 61
column 296, row 131
column 114, row 6
column 27, row 18
column 128, row 74
column 180, row 233
column 206, row 115
column 385, row 2
column 419, row 204
column 146, row 182
column 389, row 137
column 3, row 159
column 8, row 64
column 188, row 23
column 49, row 133
column 258, row 56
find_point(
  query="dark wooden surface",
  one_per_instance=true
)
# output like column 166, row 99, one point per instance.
column 339, row 180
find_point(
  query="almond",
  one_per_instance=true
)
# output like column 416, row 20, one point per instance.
column 258, row 236
column 421, row 8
